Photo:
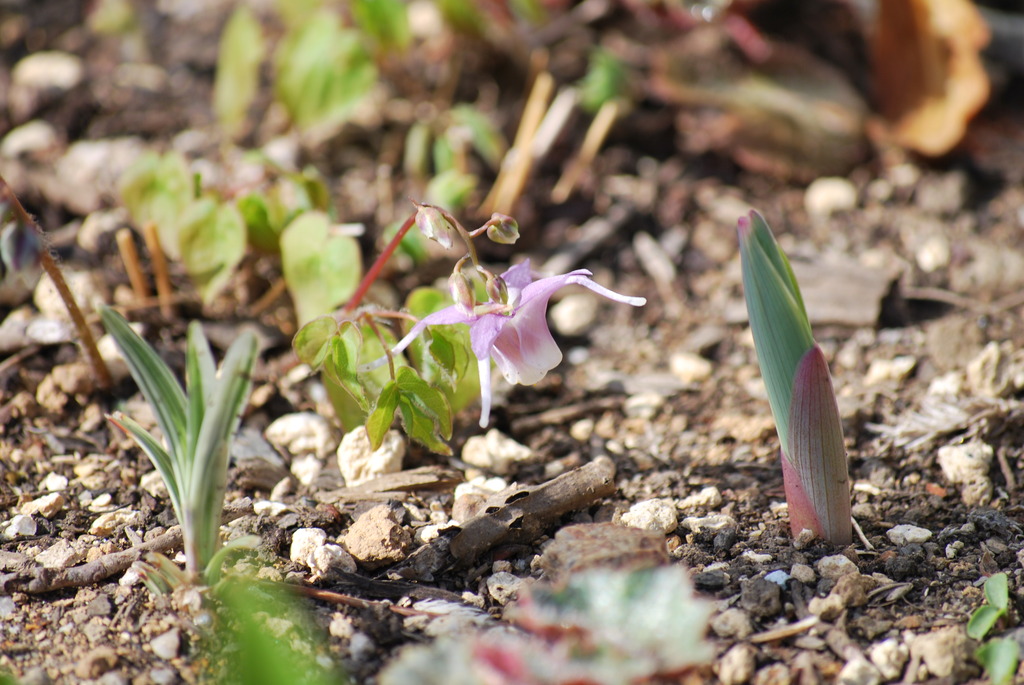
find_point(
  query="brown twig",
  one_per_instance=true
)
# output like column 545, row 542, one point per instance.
column 160, row 271
column 130, row 257
column 592, row 142
column 526, row 513
column 38, row 580
column 277, row 288
column 53, row 271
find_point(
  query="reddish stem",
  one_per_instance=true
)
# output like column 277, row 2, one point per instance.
column 375, row 268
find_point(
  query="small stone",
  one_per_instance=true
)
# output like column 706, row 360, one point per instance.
column 360, row 463
column 46, row 506
column 655, row 515
column 690, row 368
column 968, row 465
column 97, row 662
column 945, row 652
column 737, row 665
column 761, row 597
column 376, row 539
column 757, row 557
column 803, row 573
column 153, row 483
column 503, row 587
column 328, row 560
column 574, row 314
column 29, row 139
column 7, row 606
column 906, row 535
column 167, row 645
column 59, row 555
column 828, row 195
column 643, row 405
column 163, row 676
column 269, row 508
column 889, row 370
column 89, row 290
column 779, row 577
column 853, row 589
column 302, row 433
column 107, row 524
column 495, row 452
column 708, row 498
column 20, row 526
column 773, row 674
column 100, row 606
column 734, row 623
column 305, row 541
column 858, row 671
column 48, row 69
column 889, row 657
column 827, row 608
column 835, row 567
column 306, row 469
column 54, row 482
column 582, row 430
column 601, row 545
column 997, row 371
column 713, row 522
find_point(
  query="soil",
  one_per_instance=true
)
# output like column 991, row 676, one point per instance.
column 924, row 356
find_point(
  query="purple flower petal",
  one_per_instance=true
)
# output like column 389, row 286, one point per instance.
column 448, row 315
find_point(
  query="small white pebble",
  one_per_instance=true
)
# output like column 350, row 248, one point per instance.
column 756, row 557
column 828, row 195
column 54, row 482
column 708, row 497
column 835, row 566
column 906, row 535
column 803, row 573
column 779, row 577
column 689, row 367
column 656, row 515
column 886, row 370
column 20, row 526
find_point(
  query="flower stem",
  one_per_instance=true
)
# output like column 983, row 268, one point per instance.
column 53, row 271
column 466, row 236
column 374, row 271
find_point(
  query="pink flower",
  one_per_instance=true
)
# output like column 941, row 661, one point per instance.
column 515, row 334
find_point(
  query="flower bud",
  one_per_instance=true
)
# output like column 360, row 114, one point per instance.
column 433, row 225
column 502, row 229
column 496, row 289
column 462, row 291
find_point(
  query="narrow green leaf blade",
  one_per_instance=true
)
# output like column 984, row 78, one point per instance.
column 158, row 385
column 997, row 591
column 1000, row 658
column 205, row 496
column 782, row 333
column 817, row 454
column 159, row 457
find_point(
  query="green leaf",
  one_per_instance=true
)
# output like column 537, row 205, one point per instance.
column 158, row 189
column 605, row 80
column 778, row 321
column 999, row 658
column 311, row 343
column 386, row 21
column 238, row 69
column 443, row 356
column 200, row 380
column 425, row 411
column 383, row 414
column 158, row 456
column 982, row 621
column 263, row 232
column 415, row 160
column 205, row 495
column 463, row 15
column 213, row 239
column 323, row 71
column 819, row 497
column 451, row 188
column 322, row 271
column 486, row 137
column 997, row 591
column 342, row 360
column 155, row 380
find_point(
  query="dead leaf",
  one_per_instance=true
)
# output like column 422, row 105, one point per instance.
column 929, row 77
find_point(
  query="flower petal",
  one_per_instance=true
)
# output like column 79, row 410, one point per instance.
column 525, row 350
column 604, row 292
column 484, row 331
column 484, row 366
column 518, row 276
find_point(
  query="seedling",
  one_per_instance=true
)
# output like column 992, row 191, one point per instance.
column 198, row 424
column 803, row 403
column 998, row 656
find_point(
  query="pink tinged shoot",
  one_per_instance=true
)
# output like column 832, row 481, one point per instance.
column 799, row 386
column 514, row 332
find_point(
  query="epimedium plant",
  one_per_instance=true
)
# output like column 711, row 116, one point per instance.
column 428, row 373
column 198, row 423
column 814, row 465
column 999, row 656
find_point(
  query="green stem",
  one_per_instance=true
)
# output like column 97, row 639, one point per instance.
column 375, row 268
column 467, row 238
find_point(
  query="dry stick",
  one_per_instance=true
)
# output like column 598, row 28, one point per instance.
column 130, row 257
column 160, row 271
column 38, row 580
column 351, row 601
column 592, row 142
column 275, row 291
column 518, row 154
column 53, row 271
